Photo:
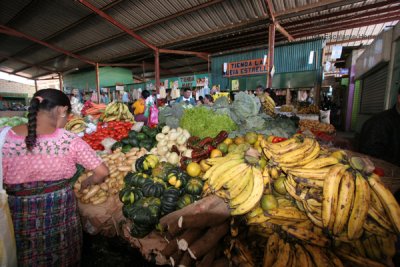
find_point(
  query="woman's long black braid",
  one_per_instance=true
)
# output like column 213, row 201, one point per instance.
column 45, row 99
column 30, row 139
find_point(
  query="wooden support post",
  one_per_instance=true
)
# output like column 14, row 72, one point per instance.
column 97, row 83
column 157, row 69
column 60, row 78
column 36, row 86
column 271, row 48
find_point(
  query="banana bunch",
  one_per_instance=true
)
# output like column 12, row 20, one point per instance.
column 281, row 252
column 268, row 104
column 293, row 152
column 76, row 125
column 116, row 111
column 230, row 177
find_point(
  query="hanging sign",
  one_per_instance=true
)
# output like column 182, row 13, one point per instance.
column 187, row 81
column 245, row 67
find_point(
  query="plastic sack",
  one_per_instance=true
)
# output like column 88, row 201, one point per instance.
column 137, row 127
column 153, row 118
column 324, row 116
column 108, row 143
column 8, row 255
column 147, row 111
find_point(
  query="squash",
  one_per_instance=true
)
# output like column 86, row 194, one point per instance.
column 184, row 201
column 153, row 187
column 130, row 195
column 135, row 179
column 146, row 211
column 194, row 186
column 169, row 200
column 175, row 177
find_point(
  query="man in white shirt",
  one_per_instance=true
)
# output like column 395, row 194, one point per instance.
column 186, row 97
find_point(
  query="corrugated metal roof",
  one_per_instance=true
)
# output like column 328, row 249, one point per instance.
column 219, row 25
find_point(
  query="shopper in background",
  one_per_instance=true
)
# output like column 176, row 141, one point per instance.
column 168, row 97
column 125, row 97
column 38, row 161
column 270, row 93
column 186, row 97
column 139, row 107
column 259, row 90
column 200, row 101
column 380, row 135
column 208, row 100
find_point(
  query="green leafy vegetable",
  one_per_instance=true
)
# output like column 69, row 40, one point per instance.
column 203, row 122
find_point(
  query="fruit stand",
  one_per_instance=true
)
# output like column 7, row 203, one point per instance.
column 215, row 190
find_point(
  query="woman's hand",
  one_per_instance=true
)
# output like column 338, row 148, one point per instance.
column 86, row 183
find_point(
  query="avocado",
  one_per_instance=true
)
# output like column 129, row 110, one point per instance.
column 141, row 136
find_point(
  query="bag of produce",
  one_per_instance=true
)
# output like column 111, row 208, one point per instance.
column 324, row 116
column 153, row 118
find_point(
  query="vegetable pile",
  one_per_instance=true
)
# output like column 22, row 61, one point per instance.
column 143, row 139
column 113, row 129
column 13, row 121
column 203, row 122
column 154, row 190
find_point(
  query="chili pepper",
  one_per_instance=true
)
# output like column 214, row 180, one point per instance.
column 200, row 153
column 192, row 142
column 220, row 138
column 205, row 141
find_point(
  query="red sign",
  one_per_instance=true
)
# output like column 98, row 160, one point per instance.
column 245, row 67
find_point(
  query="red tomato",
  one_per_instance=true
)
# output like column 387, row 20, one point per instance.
column 379, row 171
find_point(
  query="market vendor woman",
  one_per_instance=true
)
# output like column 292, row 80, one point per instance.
column 38, row 161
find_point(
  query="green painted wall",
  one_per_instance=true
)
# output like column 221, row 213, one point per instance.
column 356, row 105
column 109, row 76
column 289, row 58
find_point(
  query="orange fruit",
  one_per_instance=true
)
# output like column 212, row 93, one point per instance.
column 193, row 169
column 238, row 140
column 228, row 141
column 215, row 153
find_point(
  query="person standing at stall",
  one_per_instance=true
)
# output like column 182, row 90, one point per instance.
column 186, row 97
column 38, row 161
column 139, row 107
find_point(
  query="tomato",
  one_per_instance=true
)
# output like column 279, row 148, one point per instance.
column 379, row 171
column 278, row 139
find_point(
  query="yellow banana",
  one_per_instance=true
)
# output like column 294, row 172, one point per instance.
column 313, row 216
column 376, row 203
column 233, row 173
column 271, row 250
column 267, row 181
column 373, row 227
column 320, row 163
column 315, row 174
column 221, row 160
column 255, row 195
column 357, row 260
column 241, row 183
column 290, row 214
column 283, row 254
column 222, row 168
column 307, row 236
column 302, row 257
column 388, row 246
column 283, row 202
column 330, row 194
column 254, row 212
column 346, row 195
column 313, row 154
column 291, row 190
column 247, row 191
column 358, row 245
column 380, row 217
column 369, row 249
column 388, row 201
column 259, row 219
column 297, row 154
column 308, row 182
column 360, row 208
column 334, row 259
column 318, row 255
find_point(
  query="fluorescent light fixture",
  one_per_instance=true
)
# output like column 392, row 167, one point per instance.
column 265, row 60
column 311, row 57
column 225, row 67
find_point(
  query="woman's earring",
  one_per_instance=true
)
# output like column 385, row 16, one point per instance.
column 63, row 116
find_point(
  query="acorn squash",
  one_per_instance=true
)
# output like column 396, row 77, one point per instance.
column 184, row 201
column 194, row 186
column 169, row 200
column 153, row 187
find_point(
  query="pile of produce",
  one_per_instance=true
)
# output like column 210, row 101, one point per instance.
column 154, row 190
column 93, row 109
column 146, row 138
column 119, row 164
column 311, row 109
column 314, row 206
column 268, row 104
column 316, row 126
column 76, row 125
column 116, row 130
column 171, row 146
column 116, row 111
column 12, row 121
column 203, row 122
column 286, row 108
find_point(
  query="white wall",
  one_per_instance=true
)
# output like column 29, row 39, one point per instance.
column 16, row 88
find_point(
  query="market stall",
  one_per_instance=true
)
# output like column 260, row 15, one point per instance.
column 228, row 185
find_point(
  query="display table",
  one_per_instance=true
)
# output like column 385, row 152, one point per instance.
column 313, row 117
column 10, row 113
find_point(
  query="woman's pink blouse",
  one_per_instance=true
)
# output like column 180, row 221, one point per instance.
column 53, row 158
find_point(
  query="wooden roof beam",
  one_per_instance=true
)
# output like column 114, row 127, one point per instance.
column 271, row 14
column 351, row 40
